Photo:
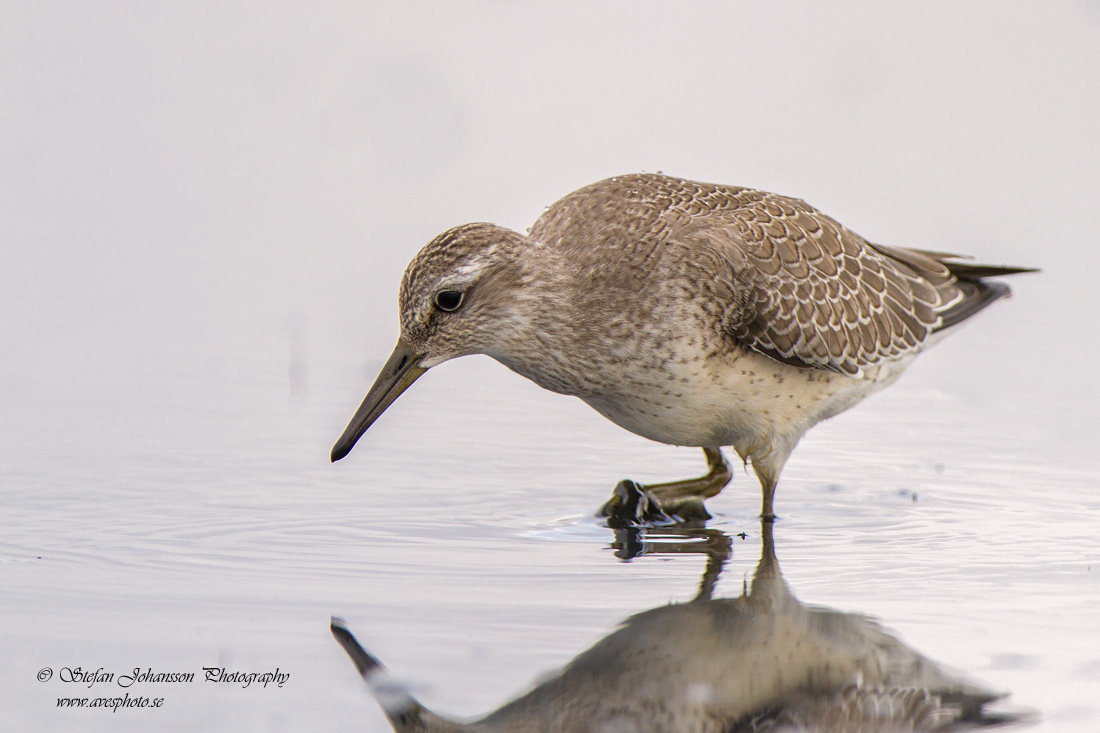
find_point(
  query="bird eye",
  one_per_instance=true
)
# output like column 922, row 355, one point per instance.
column 449, row 300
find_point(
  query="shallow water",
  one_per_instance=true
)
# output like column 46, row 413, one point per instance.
column 204, row 215
column 457, row 542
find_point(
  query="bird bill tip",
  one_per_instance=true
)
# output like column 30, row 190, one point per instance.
column 339, row 451
column 400, row 370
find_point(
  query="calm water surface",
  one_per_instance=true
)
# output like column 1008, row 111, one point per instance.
column 457, row 542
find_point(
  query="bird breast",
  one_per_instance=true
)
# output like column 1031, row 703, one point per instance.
column 657, row 361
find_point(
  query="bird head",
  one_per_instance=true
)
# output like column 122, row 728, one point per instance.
column 457, row 298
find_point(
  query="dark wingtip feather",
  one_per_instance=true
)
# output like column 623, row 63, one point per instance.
column 978, row 296
column 966, row 271
column 978, row 293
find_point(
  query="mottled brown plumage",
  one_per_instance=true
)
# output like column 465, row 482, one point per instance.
column 800, row 286
column 688, row 313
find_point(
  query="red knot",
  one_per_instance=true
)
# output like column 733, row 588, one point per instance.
column 689, row 313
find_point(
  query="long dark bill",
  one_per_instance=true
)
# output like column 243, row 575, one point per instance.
column 401, row 369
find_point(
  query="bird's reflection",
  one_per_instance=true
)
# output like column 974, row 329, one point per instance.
column 761, row 662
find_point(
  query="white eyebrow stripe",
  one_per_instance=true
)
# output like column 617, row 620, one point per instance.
column 472, row 268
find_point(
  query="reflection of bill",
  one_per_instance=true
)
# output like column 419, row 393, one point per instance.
column 761, row 662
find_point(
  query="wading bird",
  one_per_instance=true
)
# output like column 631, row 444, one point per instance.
column 688, row 313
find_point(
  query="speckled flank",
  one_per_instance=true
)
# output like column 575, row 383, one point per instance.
column 690, row 313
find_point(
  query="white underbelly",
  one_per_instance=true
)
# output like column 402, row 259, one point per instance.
column 747, row 402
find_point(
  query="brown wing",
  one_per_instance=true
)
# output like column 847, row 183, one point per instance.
column 822, row 296
column 805, row 290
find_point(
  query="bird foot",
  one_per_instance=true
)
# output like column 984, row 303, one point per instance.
column 632, row 505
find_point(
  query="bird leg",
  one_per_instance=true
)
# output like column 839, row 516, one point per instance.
column 719, row 547
column 768, row 482
column 767, row 514
column 718, row 474
column 632, row 504
column 767, row 465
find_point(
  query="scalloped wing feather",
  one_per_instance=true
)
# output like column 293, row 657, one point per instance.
column 821, row 295
column 809, row 291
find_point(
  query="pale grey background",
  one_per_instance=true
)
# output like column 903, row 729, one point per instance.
column 205, row 209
